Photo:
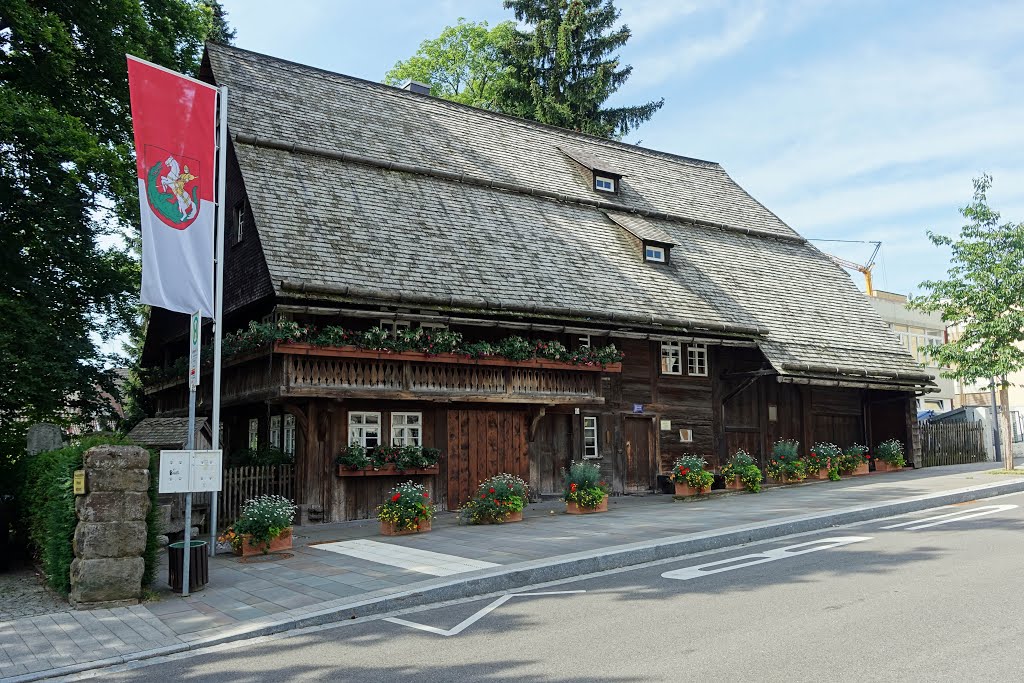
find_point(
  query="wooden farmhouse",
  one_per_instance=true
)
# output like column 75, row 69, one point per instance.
column 354, row 205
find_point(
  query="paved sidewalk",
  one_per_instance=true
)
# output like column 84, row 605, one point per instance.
column 350, row 567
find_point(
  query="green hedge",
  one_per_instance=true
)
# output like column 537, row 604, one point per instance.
column 47, row 506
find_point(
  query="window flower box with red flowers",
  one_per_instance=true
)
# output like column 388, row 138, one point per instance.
column 384, row 461
column 498, row 499
column 407, row 510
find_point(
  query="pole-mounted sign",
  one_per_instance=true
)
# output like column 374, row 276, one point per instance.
column 194, row 341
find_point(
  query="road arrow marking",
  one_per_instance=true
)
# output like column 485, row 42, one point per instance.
column 951, row 517
column 469, row 621
column 697, row 571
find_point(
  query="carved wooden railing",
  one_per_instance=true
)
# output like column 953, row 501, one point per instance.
column 310, row 370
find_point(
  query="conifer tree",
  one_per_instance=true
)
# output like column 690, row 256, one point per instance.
column 564, row 68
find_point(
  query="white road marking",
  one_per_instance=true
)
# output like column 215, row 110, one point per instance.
column 951, row 517
column 697, row 571
column 424, row 561
column 472, row 619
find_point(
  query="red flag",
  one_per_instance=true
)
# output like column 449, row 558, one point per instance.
column 174, row 117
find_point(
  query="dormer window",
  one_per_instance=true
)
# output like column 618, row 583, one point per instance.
column 604, row 176
column 653, row 253
column 605, row 184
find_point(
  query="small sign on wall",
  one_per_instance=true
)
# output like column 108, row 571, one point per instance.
column 686, row 435
column 666, row 425
column 78, row 482
column 638, row 408
column 773, row 412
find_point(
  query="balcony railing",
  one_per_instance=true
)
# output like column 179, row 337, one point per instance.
column 302, row 370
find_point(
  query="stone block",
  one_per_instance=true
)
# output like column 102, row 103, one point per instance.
column 112, row 507
column 44, row 437
column 117, row 458
column 105, row 580
column 117, row 480
column 109, row 539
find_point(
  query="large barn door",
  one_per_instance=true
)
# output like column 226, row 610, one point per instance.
column 481, row 444
column 639, row 445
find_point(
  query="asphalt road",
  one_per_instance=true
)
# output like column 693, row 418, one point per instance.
column 910, row 603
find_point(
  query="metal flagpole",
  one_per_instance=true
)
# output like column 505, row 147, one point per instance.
column 218, row 310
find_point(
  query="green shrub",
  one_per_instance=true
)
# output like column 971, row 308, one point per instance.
column 151, row 555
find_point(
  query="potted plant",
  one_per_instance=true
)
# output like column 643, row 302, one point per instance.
column 265, row 526
column 741, row 472
column 824, row 461
column 854, row 460
column 353, row 458
column 784, row 465
column 583, row 490
column 691, row 476
column 498, row 499
column 406, row 511
column 889, row 456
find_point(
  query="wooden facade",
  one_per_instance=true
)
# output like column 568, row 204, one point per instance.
column 527, row 418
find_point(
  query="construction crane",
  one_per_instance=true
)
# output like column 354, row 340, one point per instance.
column 865, row 268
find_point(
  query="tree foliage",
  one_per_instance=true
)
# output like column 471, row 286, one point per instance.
column 461, row 64
column 219, row 32
column 982, row 295
column 68, row 193
column 564, row 68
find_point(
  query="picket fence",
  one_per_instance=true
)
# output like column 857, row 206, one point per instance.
column 242, row 483
column 951, row 443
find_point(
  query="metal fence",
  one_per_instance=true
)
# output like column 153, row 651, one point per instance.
column 951, row 443
column 242, row 483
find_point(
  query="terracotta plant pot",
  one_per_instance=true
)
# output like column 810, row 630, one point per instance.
column 517, row 517
column 734, row 484
column 574, row 509
column 883, row 466
column 687, row 490
column 282, row 542
column 820, row 474
column 862, row 469
column 389, row 529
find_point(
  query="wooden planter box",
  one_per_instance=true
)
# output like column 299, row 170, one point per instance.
column 450, row 358
column 574, row 509
column 883, row 466
column 388, row 471
column 687, row 490
column 389, row 529
column 282, row 542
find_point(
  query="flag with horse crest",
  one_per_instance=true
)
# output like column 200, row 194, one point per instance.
column 174, row 117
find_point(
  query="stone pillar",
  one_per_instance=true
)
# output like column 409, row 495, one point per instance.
column 110, row 538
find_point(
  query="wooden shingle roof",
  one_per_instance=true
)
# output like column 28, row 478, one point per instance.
column 357, row 186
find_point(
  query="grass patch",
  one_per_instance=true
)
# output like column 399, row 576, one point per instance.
column 1017, row 473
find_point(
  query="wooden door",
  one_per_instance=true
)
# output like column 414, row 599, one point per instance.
column 551, row 448
column 481, row 444
column 639, row 446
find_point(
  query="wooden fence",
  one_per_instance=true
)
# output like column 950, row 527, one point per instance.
column 242, row 483
column 951, row 443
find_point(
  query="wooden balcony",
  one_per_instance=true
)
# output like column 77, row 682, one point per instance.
column 302, row 370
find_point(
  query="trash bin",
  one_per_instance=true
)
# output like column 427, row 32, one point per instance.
column 198, row 569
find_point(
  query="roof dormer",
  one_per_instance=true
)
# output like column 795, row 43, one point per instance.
column 655, row 242
column 604, row 178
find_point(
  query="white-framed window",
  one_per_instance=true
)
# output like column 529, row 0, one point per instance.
column 364, row 429
column 433, row 326
column 590, row 447
column 254, row 433
column 240, row 222
column 406, row 429
column 671, row 358
column 584, row 341
column 653, row 253
column 697, row 360
column 395, row 326
column 604, row 183
column 275, row 431
column 289, row 434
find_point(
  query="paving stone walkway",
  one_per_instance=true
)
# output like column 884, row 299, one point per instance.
column 23, row 594
column 246, row 593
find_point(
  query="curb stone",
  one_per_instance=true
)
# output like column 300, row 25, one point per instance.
column 557, row 568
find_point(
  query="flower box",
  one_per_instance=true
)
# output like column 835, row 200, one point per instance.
column 386, row 471
column 449, row 358
column 282, row 541
column 687, row 490
column 862, row 469
column 574, row 509
column 820, row 474
column 883, row 466
column 390, row 529
column 734, row 484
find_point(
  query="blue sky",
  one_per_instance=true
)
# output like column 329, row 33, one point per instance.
column 858, row 119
